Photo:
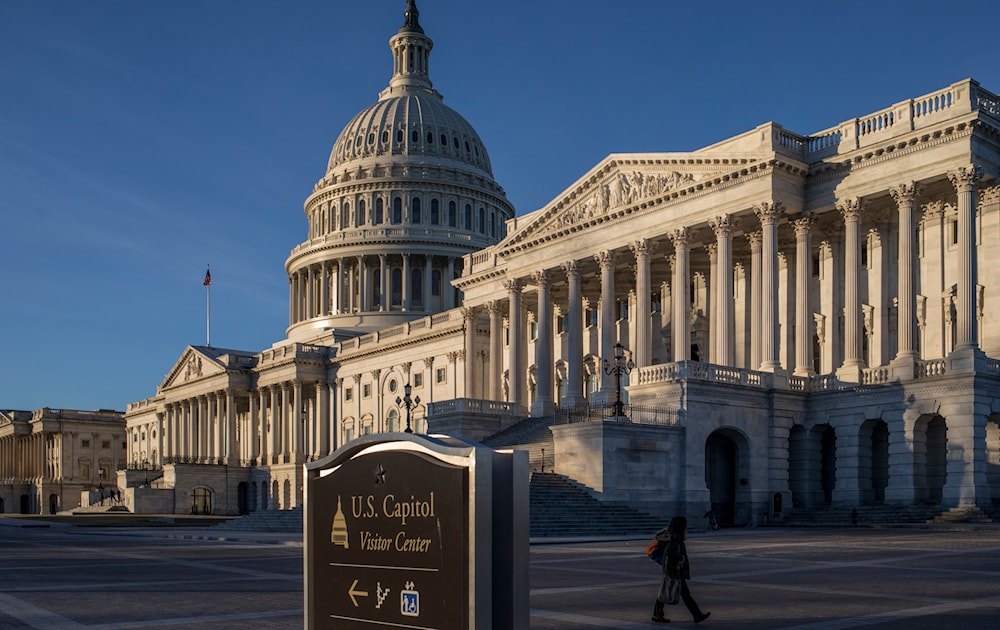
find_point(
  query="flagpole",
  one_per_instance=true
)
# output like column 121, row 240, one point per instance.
column 208, row 306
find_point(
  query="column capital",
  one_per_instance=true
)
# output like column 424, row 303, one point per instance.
column 768, row 212
column 640, row 247
column 722, row 226
column 964, row 178
column 428, row 362
column 713, row 250
column 493, row 307
column 802, row 225
column 679, row 237
column 571, row 268
column 850, row 209
column 755, row 239
column 904, row 193
column 513, row 285
column 541, row 278
column 470, row 312
column 605, row 259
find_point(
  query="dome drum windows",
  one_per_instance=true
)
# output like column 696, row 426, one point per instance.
column 415, row 214
column 379, row 217
column 397, row 211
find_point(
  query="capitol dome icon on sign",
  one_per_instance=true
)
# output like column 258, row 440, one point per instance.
column 338, row 532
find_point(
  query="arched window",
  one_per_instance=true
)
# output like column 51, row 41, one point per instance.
column 397, row 211
column 452, row 219
column 482, row 221
column 468, row 217
column 379, row 214
column 435, row 212
column 361, row 212
column 393, row 421
column 415, row 217
column 436, row 282
column 344, row 217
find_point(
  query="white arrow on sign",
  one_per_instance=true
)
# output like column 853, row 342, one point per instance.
column 354, row 593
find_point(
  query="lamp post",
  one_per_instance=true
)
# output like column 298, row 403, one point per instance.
column 408, row 403
column 619, row 367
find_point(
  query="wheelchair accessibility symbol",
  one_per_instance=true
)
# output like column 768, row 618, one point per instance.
column 409, row 601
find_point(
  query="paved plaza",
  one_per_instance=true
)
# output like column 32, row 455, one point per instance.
column 64, row 577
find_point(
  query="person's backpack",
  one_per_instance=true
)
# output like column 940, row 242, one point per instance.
column 654, row 551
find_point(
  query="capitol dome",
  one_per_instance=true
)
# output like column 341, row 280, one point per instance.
column 408, row 192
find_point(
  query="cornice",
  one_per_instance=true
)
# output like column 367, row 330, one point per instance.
column 723, row 181
column 383, row 349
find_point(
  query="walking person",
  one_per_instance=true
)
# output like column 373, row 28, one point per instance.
column 677, row 567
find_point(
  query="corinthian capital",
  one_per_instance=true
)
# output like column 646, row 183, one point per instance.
column 768, row 212
column 679, row 237
column 722, row 226
column 802, row 225
column 604, row 259
column 571, row 269
column 850, row 209
column 513, row 285
column 964, row 178
column 640, row 248
column 541, row 278
column 904, row 193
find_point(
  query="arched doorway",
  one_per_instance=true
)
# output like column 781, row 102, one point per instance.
column 873, row 462
column 993, row 458
column 275, row 496
column 53, row 503
column 201, row 501
column 727, row 472
column 25, row 504
column 242, row 503
column 930, row 459
column 828, row 463
column 254, row 493
column 286, row 503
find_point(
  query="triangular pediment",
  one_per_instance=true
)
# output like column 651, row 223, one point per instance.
column 621, row 184
column 195, row 363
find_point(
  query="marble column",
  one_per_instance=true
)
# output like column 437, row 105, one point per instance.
column 515, row 367
column 324, row 289
column 470, row 315
column 851, row 369
column 543, row 404
column 448, row 291
column 574, row 346
column 681, row 296
column 605, row 260
column 724, row 307
column 495, row 391
column 405, row 288
column 754, row 239
column 768, row 213
column 803, row 276
column 384, row 284
column 641, row 347
column 712, row 249
column 428, row 283
column 964, row 180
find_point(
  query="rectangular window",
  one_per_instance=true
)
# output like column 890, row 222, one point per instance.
column 418, row 379
column 533, row 331
column 105, row 443
column 561, row 324
column 954, row 232
column 348, row 435
column 85, row 443
column 591, row 317
column 441, row 375
column 366, row 390
column 103, row 473
column 85, row 471
column 349, row 393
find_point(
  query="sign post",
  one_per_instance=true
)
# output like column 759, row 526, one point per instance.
column 421, row 532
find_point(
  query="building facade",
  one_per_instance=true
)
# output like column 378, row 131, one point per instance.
column 807, row 315
column 50, row 457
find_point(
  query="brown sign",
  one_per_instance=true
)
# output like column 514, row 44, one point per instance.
column 388, row 539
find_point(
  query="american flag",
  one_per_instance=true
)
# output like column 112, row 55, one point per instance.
column 208, row 278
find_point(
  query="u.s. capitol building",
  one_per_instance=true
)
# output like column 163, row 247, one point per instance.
column 799, row 320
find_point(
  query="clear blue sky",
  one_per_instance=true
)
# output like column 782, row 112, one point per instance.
column 141, row 141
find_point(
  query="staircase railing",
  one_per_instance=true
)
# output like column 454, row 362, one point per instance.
column 605, row 412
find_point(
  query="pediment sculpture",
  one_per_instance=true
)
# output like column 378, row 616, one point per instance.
column 623, row 189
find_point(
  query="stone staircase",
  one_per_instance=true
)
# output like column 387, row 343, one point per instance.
column 532, row 435
column 885, row 515
column 278, row 521
column 561, row 507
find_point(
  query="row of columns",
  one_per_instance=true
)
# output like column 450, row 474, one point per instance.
column 286, row 424
column 347, row 285
column 199, row 430
column 23, row 457
column 764, row 318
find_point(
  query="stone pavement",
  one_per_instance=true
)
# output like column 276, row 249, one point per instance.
column 65, row 577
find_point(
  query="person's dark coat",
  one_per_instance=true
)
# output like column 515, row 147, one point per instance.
column 676, row 564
